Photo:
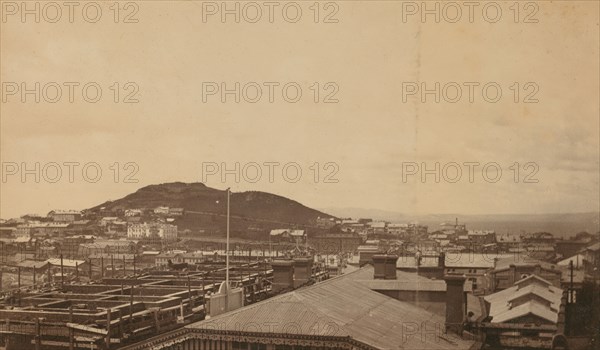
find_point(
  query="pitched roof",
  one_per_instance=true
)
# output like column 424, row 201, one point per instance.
column 593, row 247
column 577, row 261
column 526, row 297
column 531, row 307
column 343, row 308
column 65, row 262
column 290, row 232
column 32, row 264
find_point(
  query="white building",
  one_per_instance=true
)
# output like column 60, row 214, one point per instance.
column 133, row 212
column 161, row 210
column 148, row 230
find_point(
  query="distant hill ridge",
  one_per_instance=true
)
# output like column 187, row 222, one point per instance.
column 197, row 197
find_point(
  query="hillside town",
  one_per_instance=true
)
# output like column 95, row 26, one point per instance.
column 134, row 279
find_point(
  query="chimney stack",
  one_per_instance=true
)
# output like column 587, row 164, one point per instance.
column 385, row 266
column 283, row 274
column 456, row 302
column 302, row 271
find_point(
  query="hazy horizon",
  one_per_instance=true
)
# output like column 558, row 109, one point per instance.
column 379, row 212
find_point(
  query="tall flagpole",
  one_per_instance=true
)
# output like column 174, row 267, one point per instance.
column 227, row 248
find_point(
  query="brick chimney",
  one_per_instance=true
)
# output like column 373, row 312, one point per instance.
column 302, row 271
column 456, row 302
column 385, row 266
column 283, row 274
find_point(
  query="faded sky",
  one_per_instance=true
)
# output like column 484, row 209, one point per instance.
column 369, row 133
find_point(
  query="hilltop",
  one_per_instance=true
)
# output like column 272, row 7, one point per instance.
column 206, row 207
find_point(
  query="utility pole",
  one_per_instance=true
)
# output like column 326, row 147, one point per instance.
column 571, row 282
column 227, row 249
column 62, row 272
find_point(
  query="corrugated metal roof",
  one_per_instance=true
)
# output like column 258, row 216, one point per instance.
column 405, row 281
column 342, row 307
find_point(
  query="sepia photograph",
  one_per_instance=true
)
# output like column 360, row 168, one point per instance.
column 299, row 175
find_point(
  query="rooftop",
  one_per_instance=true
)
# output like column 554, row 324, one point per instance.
column 531, row 292
column 279, row 232
column 341, row 307
column 520, row 260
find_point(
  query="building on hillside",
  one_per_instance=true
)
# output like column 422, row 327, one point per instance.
column 43, row 229
column 166, row 232
column 176, row 211
column 107, row 220
column 65, row 215
column 133, row 212
column 528, row 315
column 161, row 210
column 288, row 235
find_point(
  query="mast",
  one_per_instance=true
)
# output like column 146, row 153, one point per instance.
column 227, row 246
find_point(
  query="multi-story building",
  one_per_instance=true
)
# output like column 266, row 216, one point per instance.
column 176, row 211
column 378, row 227
column 163, row 231
column 41, row 229
column 397, row 229
column 507, row 271
column 65, row 215
column 481, row 237
column 107, row 220
column 336, row 242
column 161, row 210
